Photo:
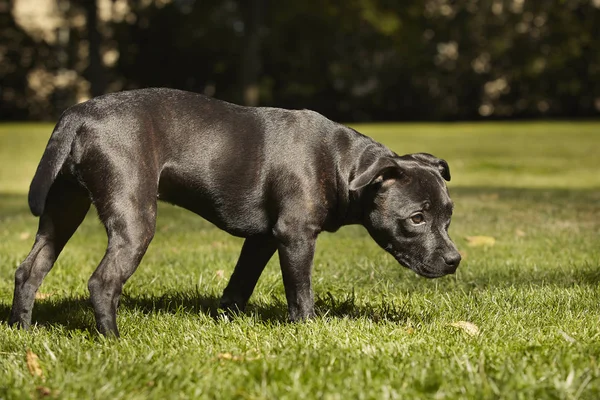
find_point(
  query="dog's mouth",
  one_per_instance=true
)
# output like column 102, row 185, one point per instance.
column 418, row 267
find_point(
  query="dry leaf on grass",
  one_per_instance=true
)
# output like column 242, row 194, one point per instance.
column 24, row 235
column 566, row 336
column 43, row 391
column 42, row 296
column 33, row 365
column 227, row 356
column 220, row 273
column 519, row 233
column 480, row 241
column 467, row 327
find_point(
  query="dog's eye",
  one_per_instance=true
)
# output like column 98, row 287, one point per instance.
column 417, row 218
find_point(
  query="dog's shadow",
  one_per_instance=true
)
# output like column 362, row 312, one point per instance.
column 75, row 313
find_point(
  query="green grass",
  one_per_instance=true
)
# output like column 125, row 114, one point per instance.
column 382, row 332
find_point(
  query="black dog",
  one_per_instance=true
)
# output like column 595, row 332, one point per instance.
column 275, row 177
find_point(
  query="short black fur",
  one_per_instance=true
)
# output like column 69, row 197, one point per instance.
column 275, row 177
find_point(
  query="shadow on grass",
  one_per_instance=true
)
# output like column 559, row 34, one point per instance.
column 274, row 311
column 76, row 314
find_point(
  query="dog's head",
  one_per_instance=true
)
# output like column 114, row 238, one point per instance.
column 407, row 210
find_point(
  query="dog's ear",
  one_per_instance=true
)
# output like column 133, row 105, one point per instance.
column 435, row 162
column 376, row 172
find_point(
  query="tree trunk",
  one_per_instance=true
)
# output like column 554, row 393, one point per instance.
column 95, row 72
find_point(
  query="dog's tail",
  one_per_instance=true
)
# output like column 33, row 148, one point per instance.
column 57, row 151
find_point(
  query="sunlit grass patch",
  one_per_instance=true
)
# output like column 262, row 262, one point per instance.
column 533, row 293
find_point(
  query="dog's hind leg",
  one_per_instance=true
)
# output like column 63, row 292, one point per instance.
column 66, row 206
column 255, row 255
column 129, row 215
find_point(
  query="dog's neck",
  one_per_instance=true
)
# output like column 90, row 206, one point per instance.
column 354, row 204
column 355, row 210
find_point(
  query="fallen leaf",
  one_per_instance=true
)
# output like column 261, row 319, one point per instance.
column 479, row 241
column 220, row 273
column 519, row 233
column 24, row 235
column 467, row 327
column 566, row 336
column 33, row 365
column 42, row 296
column 43, row 391
column 228, row 356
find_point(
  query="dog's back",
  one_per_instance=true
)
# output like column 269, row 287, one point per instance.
column 217, row 159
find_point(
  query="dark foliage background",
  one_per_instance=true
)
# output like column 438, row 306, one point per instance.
column 352, row 60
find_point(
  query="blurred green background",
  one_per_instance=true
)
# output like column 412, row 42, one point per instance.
column 351, row 60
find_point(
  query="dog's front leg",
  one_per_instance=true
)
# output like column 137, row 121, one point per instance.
column 296, row 251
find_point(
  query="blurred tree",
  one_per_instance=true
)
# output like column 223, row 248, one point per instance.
column 351, row 60
column 252, row 18
column 95, row 70
column 20, row 55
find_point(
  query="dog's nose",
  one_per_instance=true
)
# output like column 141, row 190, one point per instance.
column 452, row 260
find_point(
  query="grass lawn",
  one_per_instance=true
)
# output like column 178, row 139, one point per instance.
column 381, row 332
